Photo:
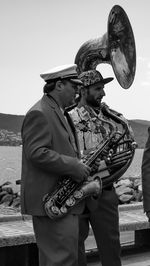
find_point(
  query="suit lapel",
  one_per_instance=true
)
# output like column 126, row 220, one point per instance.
column 70, row 129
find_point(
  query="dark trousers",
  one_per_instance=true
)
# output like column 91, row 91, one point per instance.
column 57, row 240
column 105, row 224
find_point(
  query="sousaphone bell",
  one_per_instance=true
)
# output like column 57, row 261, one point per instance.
column 116, row 47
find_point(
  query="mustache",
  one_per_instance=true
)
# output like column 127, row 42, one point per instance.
column 99, row 99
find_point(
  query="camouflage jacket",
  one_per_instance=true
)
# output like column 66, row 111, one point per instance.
column 92, row 128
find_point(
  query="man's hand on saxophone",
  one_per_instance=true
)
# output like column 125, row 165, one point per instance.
column 81, row 173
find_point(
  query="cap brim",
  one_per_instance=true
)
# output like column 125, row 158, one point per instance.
column 76, row 81
column 107, row 80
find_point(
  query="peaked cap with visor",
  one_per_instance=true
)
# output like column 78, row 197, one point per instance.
column 68, row 72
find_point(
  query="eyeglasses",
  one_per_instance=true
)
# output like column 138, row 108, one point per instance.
column 75, row 87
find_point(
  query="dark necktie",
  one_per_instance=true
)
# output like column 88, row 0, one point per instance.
column 69, row 121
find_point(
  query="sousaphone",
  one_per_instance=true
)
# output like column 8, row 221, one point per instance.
column 116, row 47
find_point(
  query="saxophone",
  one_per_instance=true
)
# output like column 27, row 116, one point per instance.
column 116, row 154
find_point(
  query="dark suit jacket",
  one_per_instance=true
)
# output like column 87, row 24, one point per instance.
column 146, row 174
column 48, row 154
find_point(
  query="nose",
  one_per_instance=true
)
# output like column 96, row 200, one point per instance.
column 102, row 92
column 76, row 89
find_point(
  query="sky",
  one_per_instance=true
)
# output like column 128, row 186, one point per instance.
column 37, row 35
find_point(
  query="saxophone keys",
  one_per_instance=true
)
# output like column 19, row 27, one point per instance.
column 110, row 153
column 78, row 194
column 55, row 209
column 70, row 202
column 63, row 209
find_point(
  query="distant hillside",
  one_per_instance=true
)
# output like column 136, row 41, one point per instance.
column 143, row 122
column 11, row 122
column 14, row 122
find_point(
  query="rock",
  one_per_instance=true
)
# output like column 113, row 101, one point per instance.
column 124, row 190
column 2, row 193
column 140, row 188
column 8, row 189
column 129, row 189
column 16, row 202
column 6, row 183
column 139, row 196
column 136, row 183
column 8, row 198
column 126, row 198
column 126, row 182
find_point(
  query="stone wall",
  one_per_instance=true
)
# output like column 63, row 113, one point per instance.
column 129, row 190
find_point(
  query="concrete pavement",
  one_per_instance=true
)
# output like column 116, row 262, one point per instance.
column 141, row 259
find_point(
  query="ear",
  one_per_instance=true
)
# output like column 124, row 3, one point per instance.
column 59, row 85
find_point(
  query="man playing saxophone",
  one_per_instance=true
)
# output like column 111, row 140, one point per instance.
column 94, row 128
column 50, row 152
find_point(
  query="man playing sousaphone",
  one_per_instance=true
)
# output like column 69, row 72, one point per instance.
column 93, row 129
column 95, row 122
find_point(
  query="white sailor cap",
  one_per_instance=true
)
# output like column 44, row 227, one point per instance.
column 62, row 72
